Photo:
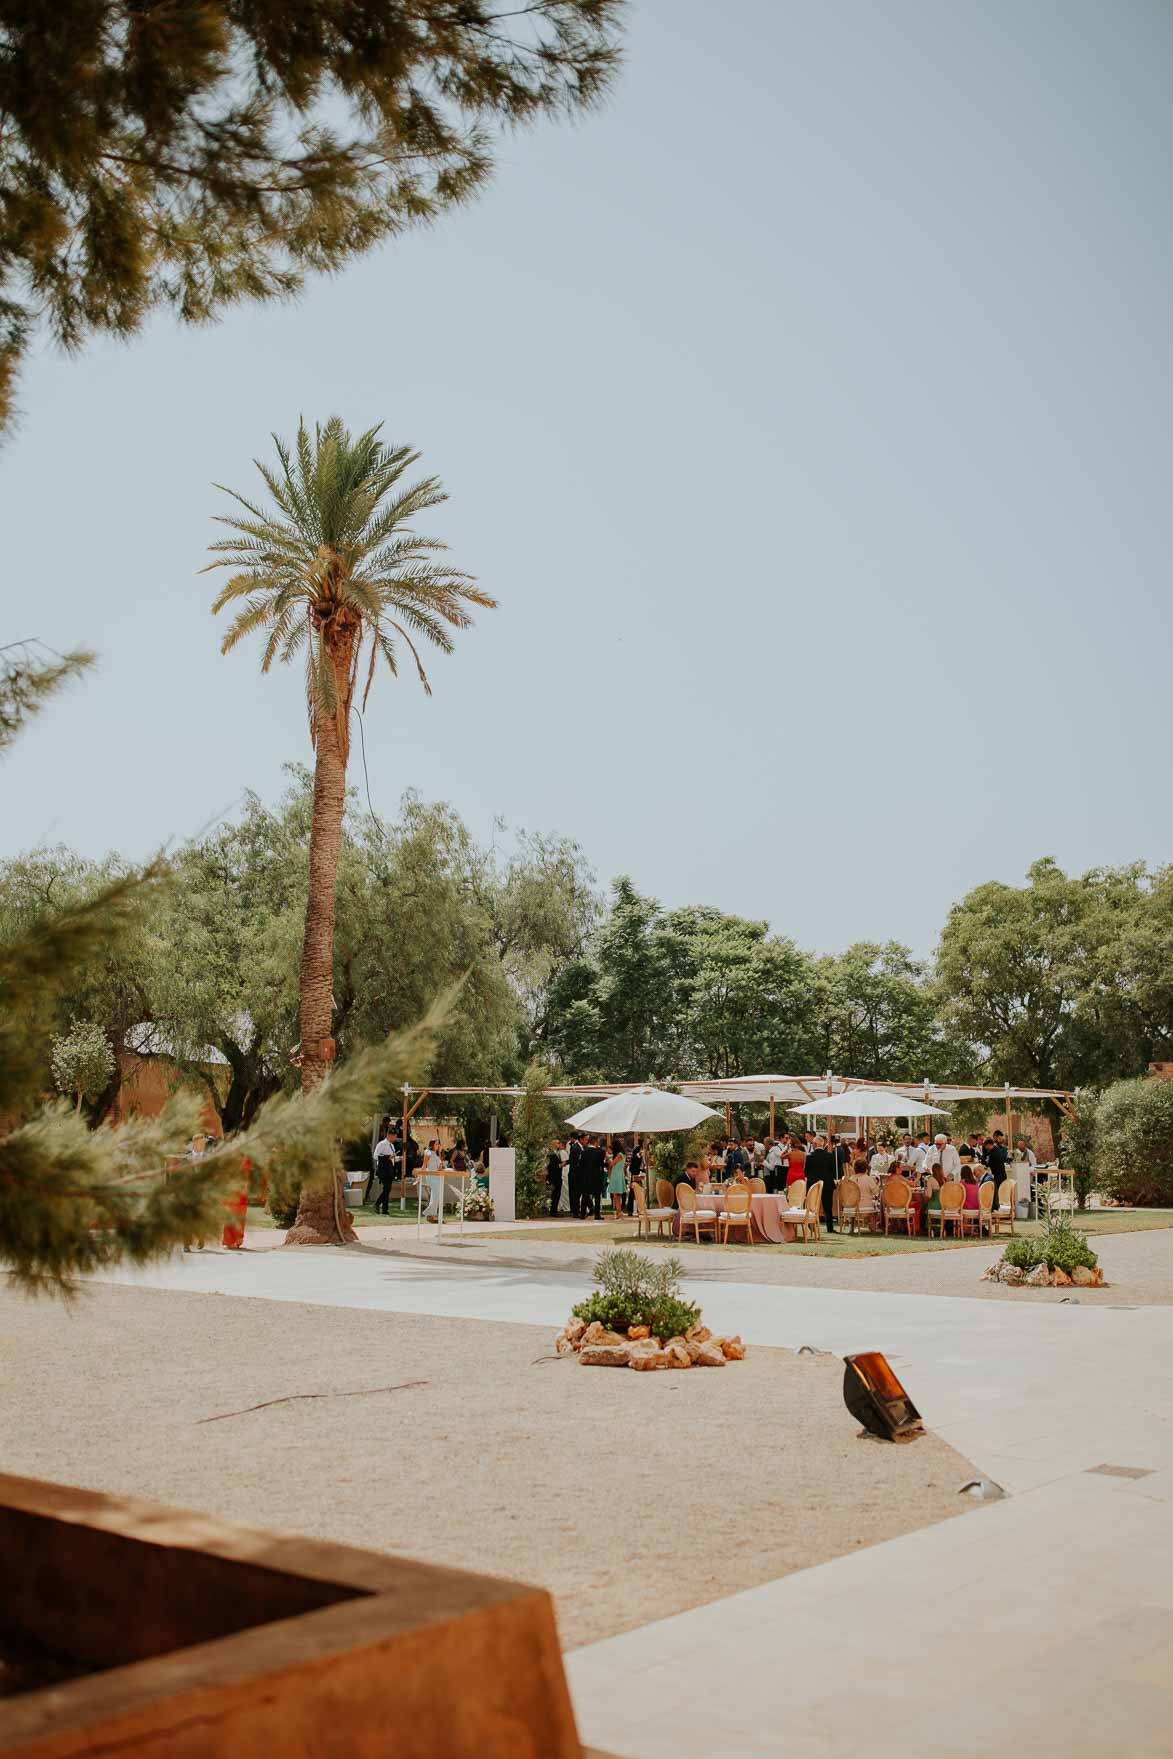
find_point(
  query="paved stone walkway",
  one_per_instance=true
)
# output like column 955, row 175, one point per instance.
column 1044, row 1620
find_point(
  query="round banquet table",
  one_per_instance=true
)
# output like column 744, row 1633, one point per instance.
column 767, row 1215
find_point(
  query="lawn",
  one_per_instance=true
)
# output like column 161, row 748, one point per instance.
column 837, row 1245
column 362, row 1218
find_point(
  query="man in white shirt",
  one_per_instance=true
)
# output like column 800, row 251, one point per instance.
column 945, row 1162
column 880, row 1162
column 774, row 1161
column 1024, row 1151
column 385, row 1159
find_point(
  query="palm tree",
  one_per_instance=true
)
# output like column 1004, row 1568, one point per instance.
column 332, row 572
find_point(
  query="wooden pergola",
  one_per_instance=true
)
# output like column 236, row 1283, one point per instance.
column 784, row 1090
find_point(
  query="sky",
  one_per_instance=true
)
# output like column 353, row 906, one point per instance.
column 807, row 408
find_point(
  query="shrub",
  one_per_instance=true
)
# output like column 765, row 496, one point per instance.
column 1133, row 1151
column 1023, row 1252
column 1059, row 1247
column 637, row 1292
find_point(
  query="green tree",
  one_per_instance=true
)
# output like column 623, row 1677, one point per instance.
column 1133, row 1142
column 333, row 573
column 82, row 1061
column 535, row 1123
column 878, row 1017
column 194, row 156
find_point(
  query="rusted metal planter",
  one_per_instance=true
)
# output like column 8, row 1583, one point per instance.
column 202, row 1639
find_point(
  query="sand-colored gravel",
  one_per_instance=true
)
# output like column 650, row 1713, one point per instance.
column 630, row 1496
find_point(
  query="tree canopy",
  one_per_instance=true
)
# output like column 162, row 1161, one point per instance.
column 194, row 156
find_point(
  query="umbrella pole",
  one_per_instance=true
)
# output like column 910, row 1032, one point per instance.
column 771, row 1114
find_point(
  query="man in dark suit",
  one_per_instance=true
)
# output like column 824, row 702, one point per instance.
column 574, row 1175
column 554, row 1175
column 998, row 1159
column 594, row 1177
column 820, row 1164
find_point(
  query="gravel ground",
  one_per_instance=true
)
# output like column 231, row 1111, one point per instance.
column 1138, row 1267
column 629, row 1496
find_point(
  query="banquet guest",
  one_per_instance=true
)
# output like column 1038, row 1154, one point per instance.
column 943, row 1159
column 969, row 1184
column 869, row 1189
column 691, row 1174
column 574, row 1175
column 775, row 1160
column 795, row 1162
column 906, row 1150
column 554, row 1175
column 843, row 1155
column 617, row 1181
column 879, row 1163
column 998, row 1159
column 1024, row 1151
column 820, row 1164
column 433, row 1172
column 636, row 1168
column 594, row 1166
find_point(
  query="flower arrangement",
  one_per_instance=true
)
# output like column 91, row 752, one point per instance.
column 476, row 1205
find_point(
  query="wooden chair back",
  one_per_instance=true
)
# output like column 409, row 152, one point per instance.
column 814, row 1198
column 758, row 1185
column 737, row 1200
column 986, row 1197
column 848, row 1195
column 797, row 1193
column 640, row 1201
column 665, row 1195
column 685, row 1198
column 952, row 1196
column 897, row 1193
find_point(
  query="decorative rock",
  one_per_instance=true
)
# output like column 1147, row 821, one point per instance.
column 563, row 1345
column 992, row 1272
column 698, row 1333
column 677, row 1353
column 1087, row 1279
column 593, row 1333
column 574, row 1330
column 1060, row 1278
column 732, row 1349
column 1011, row 1273
column 605, row 1355
column 709, row 1356
column 1039, row 1278
column 639, row 1331
column 646, row 1359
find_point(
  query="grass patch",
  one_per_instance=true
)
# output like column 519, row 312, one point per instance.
column 837, row 1245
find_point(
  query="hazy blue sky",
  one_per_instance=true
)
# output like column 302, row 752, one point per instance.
column 808, row 408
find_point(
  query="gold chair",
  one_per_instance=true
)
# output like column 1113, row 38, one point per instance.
column 814, row 1209
column 1007, row 1210
column 898, row 1206
column 758, row 1185
column 644, row 1217
column 665, row 1194
column 951, row 1210
column 849, row 1202
column 796, row 1193
column 985, row 1209
column 737, row 1212
column 700, row 1218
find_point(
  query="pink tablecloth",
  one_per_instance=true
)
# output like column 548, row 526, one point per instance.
column 766, row 1215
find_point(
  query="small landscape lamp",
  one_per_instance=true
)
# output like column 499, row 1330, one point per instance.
column 876, row 1398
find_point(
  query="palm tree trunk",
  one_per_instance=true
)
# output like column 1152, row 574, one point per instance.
column 321, row 1214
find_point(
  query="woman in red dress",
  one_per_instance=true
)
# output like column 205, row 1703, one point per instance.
column 795, row 1162
column 237, row 1207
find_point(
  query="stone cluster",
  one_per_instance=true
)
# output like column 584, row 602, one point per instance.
column 1042, row 1278
column 596, row 1347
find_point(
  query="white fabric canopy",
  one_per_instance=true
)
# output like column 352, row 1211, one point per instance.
column 869, row 1102
column 642, row 1108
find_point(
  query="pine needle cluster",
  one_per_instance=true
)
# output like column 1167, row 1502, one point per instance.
column 74, row 1200
column 198, row 154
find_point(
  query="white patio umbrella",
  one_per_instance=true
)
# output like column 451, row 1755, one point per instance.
column 868, row 1102
column 647, row 1109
